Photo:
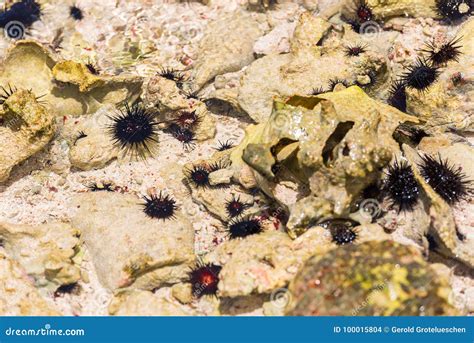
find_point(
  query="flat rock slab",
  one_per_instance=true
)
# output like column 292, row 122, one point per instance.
column 130, row 249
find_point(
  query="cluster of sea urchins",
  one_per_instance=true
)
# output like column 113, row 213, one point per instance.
column 403, row 190
column 424, row 71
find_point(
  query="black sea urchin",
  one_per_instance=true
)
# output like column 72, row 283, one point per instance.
column 92, row 68
column 355, row 50
column 26, row 12
column 80, row 135
column 159, row 206
column 225, row 145
column 101, row 186
column 5, row 93
column 342, row 234
column 420, row 75
column 199, row 176
column 172, row 74
column 317, row 91
column 449, row 51
column 134, row 130
column 76, row 13
column 71, row 288
column 334, row 82
column 187, row 119
column 447, row 180
column 241, row 228
column 183, row 135
column 235, row 207
column 397, row 96
column 204, row 279
column 454, row 10
column 401, row 186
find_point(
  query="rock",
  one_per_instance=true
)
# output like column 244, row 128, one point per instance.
column 265, row 262
column 128, row 248
column 75, row 92
column 28, row 128
column 96, row 149
column 163, row 93
column 256, row 264
column 227, row 46
column 327, row 147
column 383, row 9
column 216, row 197
column 220, row 177
column 144, row 303
column 45, row 252
column 308, row 67
column 18, row 296
column 277, row 41
column 182, row 292
column 371, row 279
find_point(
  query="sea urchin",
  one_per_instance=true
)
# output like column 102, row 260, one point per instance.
column 420, row 75
column 449, row 51
column 204, row 279
column 134, row 130
column 401, row 186
column 242, row 228
column 160, row 206
column 235, row 207
column 447, row 180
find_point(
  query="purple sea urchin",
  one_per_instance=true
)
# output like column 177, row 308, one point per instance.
column 134, row 130
column 204, row 279
column 401, row 187
column 446, row 180
column 160, row 206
